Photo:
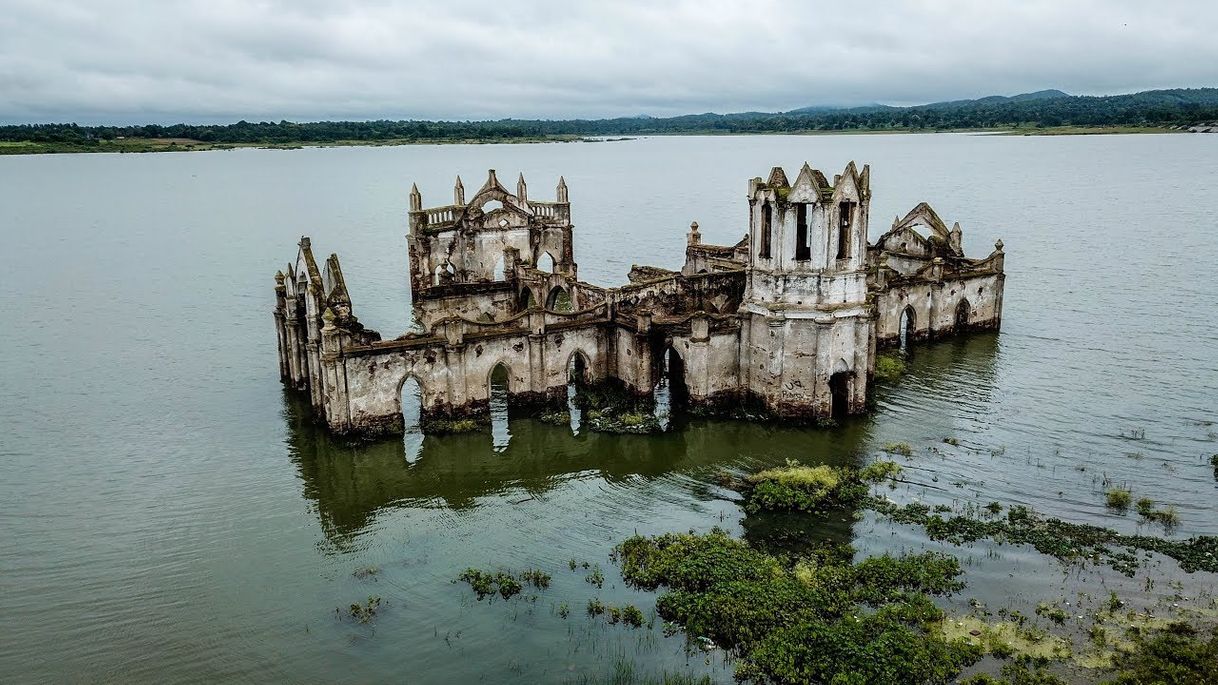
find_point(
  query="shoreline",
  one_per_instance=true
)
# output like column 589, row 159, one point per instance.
column 146, row 145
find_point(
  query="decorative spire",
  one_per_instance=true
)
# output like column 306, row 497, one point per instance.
column 562, row 189
column 279, row 277
column 458, row 192
column 521, row 189
column 416, row 200
column 694, row 237
column 998, row 245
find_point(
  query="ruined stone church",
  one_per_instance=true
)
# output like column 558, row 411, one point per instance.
column 787, row 320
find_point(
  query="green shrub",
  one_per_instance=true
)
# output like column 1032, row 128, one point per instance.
column 880, row 471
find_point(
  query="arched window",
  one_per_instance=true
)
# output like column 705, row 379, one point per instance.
column 767, row 220
column 907, row 325
column 498, row 271
column 412, row 417
column 803, row 250
column 844, row 223
column 546, row 263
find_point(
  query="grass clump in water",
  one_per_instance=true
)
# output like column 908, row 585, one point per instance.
column 1214, row 463
column 880, row 471
column 1169, row 517
column 889, row 367
column 902, row 448
column 1118, row 498
column 866, row 622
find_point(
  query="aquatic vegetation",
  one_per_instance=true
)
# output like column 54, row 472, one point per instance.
column 555, row 418
column 902, row 448
column 1118, row 498
column 1012, row 637
column 1016, row 673
column 489, row 583
column 365, row 612
column 1133, row 434
column 867, row 622
column 595, row 577
column 796, row 487
column 629, row 615
column 439, row 426
column 366, row 572
column 954, row 442
column 1175, row 654
column 535, row 577
column 564, row 610
column 1169, row 517
column 993, row 508
column 1051, row 612
column 1067, row 542
column 1214, row 463
column 879, row 471
column 624, row 674
column 595, row 607
column 889, row 367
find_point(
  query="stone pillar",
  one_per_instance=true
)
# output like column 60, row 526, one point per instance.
column 336, row 407
column 281, row 335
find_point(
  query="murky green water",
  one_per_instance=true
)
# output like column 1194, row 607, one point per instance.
column 169, row 515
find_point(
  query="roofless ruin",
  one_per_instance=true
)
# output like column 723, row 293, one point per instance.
column 788, row 319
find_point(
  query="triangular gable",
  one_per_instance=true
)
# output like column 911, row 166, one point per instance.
column 809, row 186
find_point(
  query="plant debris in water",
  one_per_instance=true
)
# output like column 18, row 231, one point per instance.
column 889, row 367
column 796, row 487
column 819, row 620
column 364, row 613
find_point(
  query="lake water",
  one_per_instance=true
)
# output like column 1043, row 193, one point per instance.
column 168, row 515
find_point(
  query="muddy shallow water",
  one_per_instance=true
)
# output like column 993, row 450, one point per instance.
column 170, row 515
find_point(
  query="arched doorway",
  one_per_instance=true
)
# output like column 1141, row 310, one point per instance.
column 559, row 300
column 964, row 311
column 579, row 376
column 499, row 390
column 839, row 390
column 412, row 417
column 670, row 393
column 907, row 325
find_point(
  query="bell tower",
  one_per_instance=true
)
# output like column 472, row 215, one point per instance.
column 808, row 335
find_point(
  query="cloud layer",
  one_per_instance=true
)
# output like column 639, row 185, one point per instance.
column 124, row 61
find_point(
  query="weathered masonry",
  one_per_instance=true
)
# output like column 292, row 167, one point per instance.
column 788, row 318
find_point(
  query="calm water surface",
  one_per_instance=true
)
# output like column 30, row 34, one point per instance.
column 168, row 514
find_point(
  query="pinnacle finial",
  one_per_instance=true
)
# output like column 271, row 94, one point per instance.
column 562, row 189
column 998, row 245
column 521, row 189
column 416, row 199
column 458, row 192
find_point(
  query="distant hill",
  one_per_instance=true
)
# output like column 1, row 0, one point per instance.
column 1047, row 108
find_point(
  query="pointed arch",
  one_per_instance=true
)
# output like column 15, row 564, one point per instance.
column 907, row 326
column 547, row 263
column 499, row 270
column 443, row 274
column 559, row 300
column 526, row 300
column 841, row 385
column 579, row 368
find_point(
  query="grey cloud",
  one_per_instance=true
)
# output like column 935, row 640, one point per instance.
column 118, row 60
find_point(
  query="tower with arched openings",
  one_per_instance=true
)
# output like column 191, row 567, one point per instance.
column 805, row 298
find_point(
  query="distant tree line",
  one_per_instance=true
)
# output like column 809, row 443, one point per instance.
column 1150, row 108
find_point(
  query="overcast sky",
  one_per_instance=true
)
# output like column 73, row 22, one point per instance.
column 222, row 60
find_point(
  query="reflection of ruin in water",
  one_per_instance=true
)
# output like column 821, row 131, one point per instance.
column 351, row 482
